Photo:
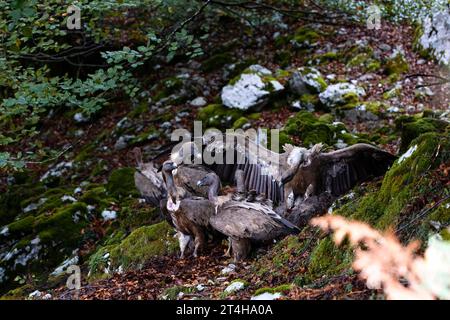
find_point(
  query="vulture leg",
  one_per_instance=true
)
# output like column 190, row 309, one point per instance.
column 228, row 252
column 184, row 241
column 199, row 240
column 241, row 249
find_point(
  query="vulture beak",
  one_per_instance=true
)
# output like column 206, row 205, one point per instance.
column 200, row 183
column 288, row 175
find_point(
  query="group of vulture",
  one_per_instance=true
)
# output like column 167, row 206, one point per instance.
column 264, row 189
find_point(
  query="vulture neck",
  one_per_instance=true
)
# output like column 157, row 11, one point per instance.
column 170, row 183
column 213, row 191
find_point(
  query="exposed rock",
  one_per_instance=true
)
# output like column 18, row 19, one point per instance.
column 435, row 36
column 338, row 94
column 307, row 81
column 235, row 286
column 251, row 89
column 198, row 102
column 267, row 296
column 122, row 142
column 109, row 215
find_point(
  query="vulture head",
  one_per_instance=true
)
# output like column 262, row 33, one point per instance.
column 212, row 181
column 313, row 172
column 298, row 157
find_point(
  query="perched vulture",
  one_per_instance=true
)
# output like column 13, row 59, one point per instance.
column 242, row 221
column 149, row 180
column 190, row 214
column 312, row 172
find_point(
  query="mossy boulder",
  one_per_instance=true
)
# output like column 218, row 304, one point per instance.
column 217, row 61
column 252, row 89
column 121, row 183
column 219, row 116
column 409, row 179
column 10, row 201
column 412, row 127
column 396, row 65
column 311, row 130
column 135, row 250
column 304, row 37
column 341, row 94
column 307, row 81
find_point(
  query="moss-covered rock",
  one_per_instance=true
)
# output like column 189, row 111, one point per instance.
column 217, row 61
column 219, row 116
column 409, row 178
column 121, row 183
column 166, row 87
column 312, row 130
column 396, row 65
column 133, row 251
column 412, row 127
column 283, row 288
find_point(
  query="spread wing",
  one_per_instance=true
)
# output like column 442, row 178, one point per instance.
column 262, row 167
column 341, row 170
column 251, row 221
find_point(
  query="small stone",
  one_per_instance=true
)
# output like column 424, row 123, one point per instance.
column 385, row 47
column 80, row 117
column 229, row 269
column 235, row 286
column 109, row 215
column 198, row 102
column 267, row 296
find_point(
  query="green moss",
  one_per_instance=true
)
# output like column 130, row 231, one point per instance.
column 313, row 130
column 217, row 61
column 21, row 227
column 173, row 292
column 219, row 116
column 305, row 35
column 10, row 201
column 141, row 108
column 239, row 123
column 326, row 57
column 149, row 134
column 121, row 183
column 327, row 259
column 283, row 58
column 62, row 227
column 411, row 128
column 167, row 87
column 284, row 288
column 405, row 181
column 135, row 216
column 85, row 153
column 396, row 65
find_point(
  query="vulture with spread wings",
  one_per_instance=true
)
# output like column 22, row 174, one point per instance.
column 312, row 172
column 296, row 171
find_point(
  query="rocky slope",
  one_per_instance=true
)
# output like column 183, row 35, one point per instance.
column 338, row 85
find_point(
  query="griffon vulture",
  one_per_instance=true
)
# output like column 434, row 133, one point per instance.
column 312, row 172
column 190, row 214
column 244, row 222
column 302, row 171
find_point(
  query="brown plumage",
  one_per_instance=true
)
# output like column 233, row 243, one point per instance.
column 244, row 222
column 336, row 172
column 190, row 214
